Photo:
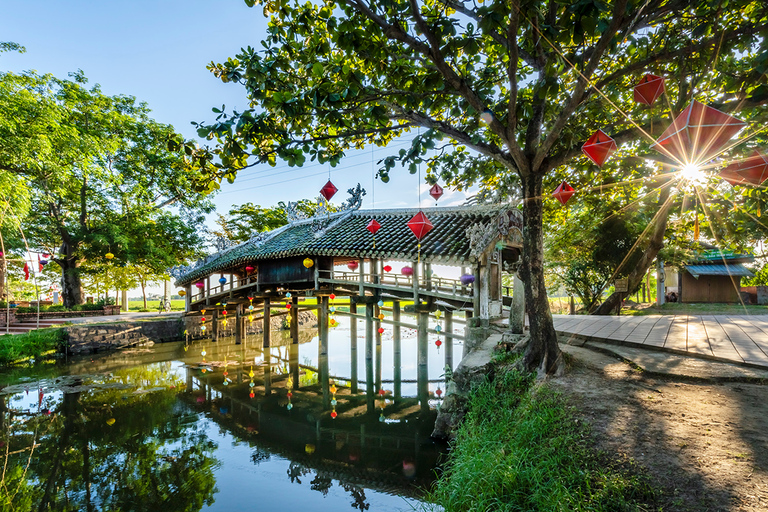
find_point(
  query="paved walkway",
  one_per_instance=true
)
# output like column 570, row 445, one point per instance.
column 741, row 339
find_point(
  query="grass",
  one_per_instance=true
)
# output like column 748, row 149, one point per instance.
column 34, row 344
column 153, row 305
column 520, row 448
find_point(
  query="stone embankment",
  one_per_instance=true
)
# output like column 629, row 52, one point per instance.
column 89, row 338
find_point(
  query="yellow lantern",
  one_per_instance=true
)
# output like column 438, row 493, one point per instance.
column 109, row 255
column 308, row 262
column 182, row 293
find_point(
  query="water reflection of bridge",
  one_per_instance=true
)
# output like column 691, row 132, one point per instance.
column 357, row 448
column 331, row 265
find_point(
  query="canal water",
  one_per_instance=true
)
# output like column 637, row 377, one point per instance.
column 220, row 426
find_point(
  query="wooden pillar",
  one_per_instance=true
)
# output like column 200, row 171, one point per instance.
column 322, row 351
column 215, row 326
column 449, row 339
column 428, row 275
column 294, row 320
column 517, row 310
column 476, row 291
column 187, row 298
column 397, row 357
column 239, row 324
column 467, row 317
column 293, row 363
column 369, row 384
column 267, row 353
column 377, row 335
column 422, row 373
column 361, row 278
column 353, row 347
column 266, row 323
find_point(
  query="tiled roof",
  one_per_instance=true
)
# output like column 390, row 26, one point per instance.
column 345, row 235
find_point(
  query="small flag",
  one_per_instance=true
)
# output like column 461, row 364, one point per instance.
column 39, row 263
column 26, row 271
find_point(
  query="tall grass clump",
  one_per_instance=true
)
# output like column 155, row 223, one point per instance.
column 33, row 344
column 520, row 447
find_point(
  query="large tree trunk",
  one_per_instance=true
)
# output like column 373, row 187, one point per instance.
column 655, row 243
column 71, row 285
column 542, row 353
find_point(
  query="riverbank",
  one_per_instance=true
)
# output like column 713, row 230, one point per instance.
column 612, row 435
column 521, row 447
column 36, row 344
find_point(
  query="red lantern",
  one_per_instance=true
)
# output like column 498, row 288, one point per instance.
column 373, row 226
column 438, row 343
column 436, row 191
column 249, row 269
column 334, row 414
column 563, row 192
column 406, row 271
column 420, row 225
column 200, row 284
column 224, row 312
column 698, row 134
column 387, row 268
column 732, row 177
column 754, row 169
column 332, row 296
column 599, row 147
column 382, row 392
column 648, row 89
column 328, row 191
column 381, row 330
column 352, row 265
column 439, row 392
column 288, row 306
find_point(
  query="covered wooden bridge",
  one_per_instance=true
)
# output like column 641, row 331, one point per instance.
column 333, row 259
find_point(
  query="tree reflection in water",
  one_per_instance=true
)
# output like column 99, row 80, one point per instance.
column 109, row 448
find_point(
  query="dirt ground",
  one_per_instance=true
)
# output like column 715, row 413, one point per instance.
column 704, row 443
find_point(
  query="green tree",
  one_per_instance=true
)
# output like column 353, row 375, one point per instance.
column 243, row 221
column 514, row 88
column 101, row 177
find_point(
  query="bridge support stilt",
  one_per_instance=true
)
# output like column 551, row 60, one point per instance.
column 322, row 351
column 293, row 362
column 215, row 318
column 422, row 376
column 353, row 347
column 294, row 320
column 397, row 356
column 377, row 335
column 369, row 384
column 239, row 324
column 266, row 324
column 449, row 339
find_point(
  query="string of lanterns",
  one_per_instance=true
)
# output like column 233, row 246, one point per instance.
column 333, row 390
column 697, row 134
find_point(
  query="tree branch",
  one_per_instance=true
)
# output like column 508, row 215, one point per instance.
column 581, row 84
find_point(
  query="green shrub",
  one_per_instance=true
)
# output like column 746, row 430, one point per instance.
column 34, row 344
column 521, row 448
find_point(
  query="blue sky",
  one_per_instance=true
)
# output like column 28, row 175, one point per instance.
column 157, row 51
